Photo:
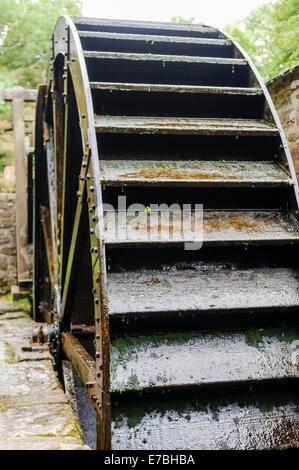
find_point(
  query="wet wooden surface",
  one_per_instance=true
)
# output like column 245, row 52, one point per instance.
column 211, row 227
column 245, row 422
column 153, row 38
column 163, row 58
column 204, row 288
column 183, row 359
column 152, row 87
column 170, row 125
column 198, row 173
column 112, row 23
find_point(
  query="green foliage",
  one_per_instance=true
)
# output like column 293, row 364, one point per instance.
column 26, row 28
column 270, row 36
column 179, row 19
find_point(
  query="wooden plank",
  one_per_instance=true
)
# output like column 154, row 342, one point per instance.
column 170, row 125
column 143, row 24
column 158, row 88
column 214, row 227
column 239, row 421
column 163, row 58
column 192, row 173
column 154, row 38
column 223, row 357
column 46, row 226
column 205, row 289
column 79, row 358
column 21, row 185
column 18, row 95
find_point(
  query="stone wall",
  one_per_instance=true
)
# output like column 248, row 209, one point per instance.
column 284, row 91
column 8, row 258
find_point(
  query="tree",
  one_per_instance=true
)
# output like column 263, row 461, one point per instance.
column 26, row 27
column 270, row 36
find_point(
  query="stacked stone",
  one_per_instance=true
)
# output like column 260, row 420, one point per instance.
column 8, row 272
column 284, row 91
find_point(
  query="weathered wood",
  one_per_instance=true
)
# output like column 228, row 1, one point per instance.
column 243, row 421
column 213, row 227
column 154, row 38
column 192, row 173
column 152, row 87
column 143, row 24
column 46, row 227
column 163, row 58
column 170, row 125
column 208, row 288
column 18, row 95
column 217, row 358
column 79, row 358
column 21, row 184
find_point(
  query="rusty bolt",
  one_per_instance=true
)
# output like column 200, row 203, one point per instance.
column 98, row 374
column 89, row 384
column 84, row 164
column 91, row 189
column 98, row 319
column 96, row 301
column 83, row 115
column 97, row 336
column 93, row 290
column 81, row 177
column 98, row 355
column 79, row 193
column 92, row 230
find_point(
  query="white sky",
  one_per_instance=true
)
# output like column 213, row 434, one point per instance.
column 217, row 13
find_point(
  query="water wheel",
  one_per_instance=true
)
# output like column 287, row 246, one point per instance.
column 178, row 347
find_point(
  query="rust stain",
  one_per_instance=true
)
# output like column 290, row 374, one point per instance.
column 171, row 174
column 201, row 125
column 232, row 223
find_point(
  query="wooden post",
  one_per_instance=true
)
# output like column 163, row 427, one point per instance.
column 17, row 96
